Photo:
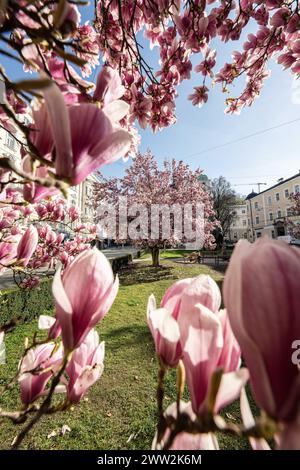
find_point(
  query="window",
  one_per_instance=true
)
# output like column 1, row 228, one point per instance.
column 248, row 221
column 277, row 197
column 244, row 223
column 289, row 213
column 279, row 214
column 243, row 211
column 269, row 200
column 273, row 234
column 271, row 215
column 286, row 193
column 256, row 205
column 245, row 234
column 257, row 220
column 258, row 234
column 296, row 188
column 10, row 142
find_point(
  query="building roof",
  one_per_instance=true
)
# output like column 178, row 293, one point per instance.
column 274, row 186
column 251, row 195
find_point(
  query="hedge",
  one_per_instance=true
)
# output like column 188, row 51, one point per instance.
column 27, row 305
column 121, row 261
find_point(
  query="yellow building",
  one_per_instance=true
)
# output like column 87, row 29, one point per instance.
column 267, row 212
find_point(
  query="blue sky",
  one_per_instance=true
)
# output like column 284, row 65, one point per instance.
column 263, row 158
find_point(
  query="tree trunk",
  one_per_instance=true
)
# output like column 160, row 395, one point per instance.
column 155, row 256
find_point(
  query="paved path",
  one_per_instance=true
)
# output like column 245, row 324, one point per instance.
column 6, row 279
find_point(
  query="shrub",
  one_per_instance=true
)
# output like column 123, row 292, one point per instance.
column 28, row 304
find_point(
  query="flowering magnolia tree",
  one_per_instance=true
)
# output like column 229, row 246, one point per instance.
column 294, row 210
column 164, row 199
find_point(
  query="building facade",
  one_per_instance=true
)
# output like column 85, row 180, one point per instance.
column 239, row 227
column 9, row 145
column 268, row 211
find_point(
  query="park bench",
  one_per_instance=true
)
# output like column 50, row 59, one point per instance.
column 205, row 256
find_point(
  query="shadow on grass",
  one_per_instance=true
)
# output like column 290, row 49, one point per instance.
column 128, row 336
column 135, row 274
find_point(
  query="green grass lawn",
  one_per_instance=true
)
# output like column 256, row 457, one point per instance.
column 120, row 411
column 180, row 253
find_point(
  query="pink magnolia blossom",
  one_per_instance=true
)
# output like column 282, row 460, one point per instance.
column 36, row 370
column 27, row 245
column 109, row 90
column 205, row 291
column 190, row 326
column 206, row 339
column 85, row 367
column 165, row 332
column 69, row 19
column 83, row 294
column 261, row 297
column 185, row 440
column 281, row 17
column 109, row 87
column 73, row 213
column 8, row 251
column 84, row 138
column 200, row 96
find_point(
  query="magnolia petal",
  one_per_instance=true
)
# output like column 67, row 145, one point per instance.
column 151, row 305
column 289, row 438
column 232, row 289
column 230, row 387
column 60, row 124
column 106, row 303
column 45, row 322
column 167, row 326
column 89, row 376
column 63, row 310
column 202, row 342
column 248, row 420
column 112, row 147
column 116, row 110
column 109, row 86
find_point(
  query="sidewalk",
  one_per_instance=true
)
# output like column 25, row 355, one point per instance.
column 7, row 280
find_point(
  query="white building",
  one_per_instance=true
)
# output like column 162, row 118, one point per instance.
column 81, row 196
column 9, row 146
column 239, row 225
